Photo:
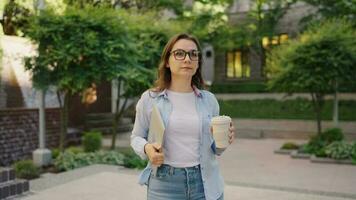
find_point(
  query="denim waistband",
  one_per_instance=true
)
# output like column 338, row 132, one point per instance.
column 171, row 169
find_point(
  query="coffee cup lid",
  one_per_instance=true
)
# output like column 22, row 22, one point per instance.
column 221, row 119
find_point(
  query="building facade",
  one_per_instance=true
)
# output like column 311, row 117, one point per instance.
column 243, row 65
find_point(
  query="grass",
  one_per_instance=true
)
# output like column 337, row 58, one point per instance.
column 289, row 109
column 257, row 87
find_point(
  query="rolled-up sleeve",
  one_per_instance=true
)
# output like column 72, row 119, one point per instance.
column 140, row 129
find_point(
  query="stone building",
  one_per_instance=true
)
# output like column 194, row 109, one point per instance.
column 240, row 65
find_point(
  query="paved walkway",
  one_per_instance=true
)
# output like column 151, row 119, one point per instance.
column 250, row 168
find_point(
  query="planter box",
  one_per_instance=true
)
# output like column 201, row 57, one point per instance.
column 296, row 154
column 329, row 160
column 284, row 151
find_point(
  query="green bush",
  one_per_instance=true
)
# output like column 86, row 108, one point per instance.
column 303, row 148
column 290, row 146
column 92, row 141
column 132, row 160
column 321, row 152
column 316, row 149
column 69, row 160
column 314, row 145
column 26, row 169
column 353, row 154
column 332, row 135
column 317, row 143
column 75, row 150
column 339, row 150
column 55, row 153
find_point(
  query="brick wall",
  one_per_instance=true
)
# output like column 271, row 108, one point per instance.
column 19, row 133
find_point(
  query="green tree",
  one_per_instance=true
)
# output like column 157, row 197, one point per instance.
column 131, row 83
column 206, row 18
column 261, row 22
column 323, row 55
column 332, row 8
column 151, row 33
column 328, row 10
column 77, row 49
column 139, row 5
column 15, row 17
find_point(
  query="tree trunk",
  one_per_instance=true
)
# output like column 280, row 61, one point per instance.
column 336, row 106
column 118, row 114
column 64, row 122
column 318, row 101
column 116, row 117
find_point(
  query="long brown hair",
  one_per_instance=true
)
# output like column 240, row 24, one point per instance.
column 164, row 73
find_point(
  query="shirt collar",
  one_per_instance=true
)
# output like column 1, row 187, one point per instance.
column 196, row 91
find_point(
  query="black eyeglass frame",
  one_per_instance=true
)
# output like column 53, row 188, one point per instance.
column 185, row 54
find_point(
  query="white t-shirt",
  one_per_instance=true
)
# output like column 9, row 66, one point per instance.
column 181, row 140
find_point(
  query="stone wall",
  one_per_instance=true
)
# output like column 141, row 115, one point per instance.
column 19, row 133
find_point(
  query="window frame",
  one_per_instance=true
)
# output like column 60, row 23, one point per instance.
column 245, row 65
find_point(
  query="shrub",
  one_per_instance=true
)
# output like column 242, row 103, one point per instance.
column 290, row 146
column 75, row 150
column 55, row 153
column 132, row 160
column 331, row 135
column 26, row 169
column 320, row 141
column 92, row 141
column 69, row 160
column 339, row 150
column 110, row 158
column 353, row 153
column 314, row 145
column 321, row 152
column 303, row 148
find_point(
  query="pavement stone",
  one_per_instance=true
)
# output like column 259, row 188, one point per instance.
column 250, row 168
column 252, row 163
column 114, row 186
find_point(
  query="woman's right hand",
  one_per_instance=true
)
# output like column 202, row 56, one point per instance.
column 154, row 153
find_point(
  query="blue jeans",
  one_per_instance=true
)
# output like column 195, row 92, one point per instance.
column 172, row 183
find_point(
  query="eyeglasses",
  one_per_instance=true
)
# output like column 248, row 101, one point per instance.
column 180, row 54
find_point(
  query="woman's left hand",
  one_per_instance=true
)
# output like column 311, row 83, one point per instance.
column 232, row 133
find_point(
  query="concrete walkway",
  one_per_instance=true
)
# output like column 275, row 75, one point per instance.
column 250, row 168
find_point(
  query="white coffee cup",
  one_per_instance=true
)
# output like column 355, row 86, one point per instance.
column 221, row 125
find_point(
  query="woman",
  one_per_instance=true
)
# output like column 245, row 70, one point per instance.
column 187, row 167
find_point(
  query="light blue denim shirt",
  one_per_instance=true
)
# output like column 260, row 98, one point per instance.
column 207, row 107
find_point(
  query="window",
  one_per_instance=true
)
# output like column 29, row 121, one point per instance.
column 237, row 64
column 268, row 42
